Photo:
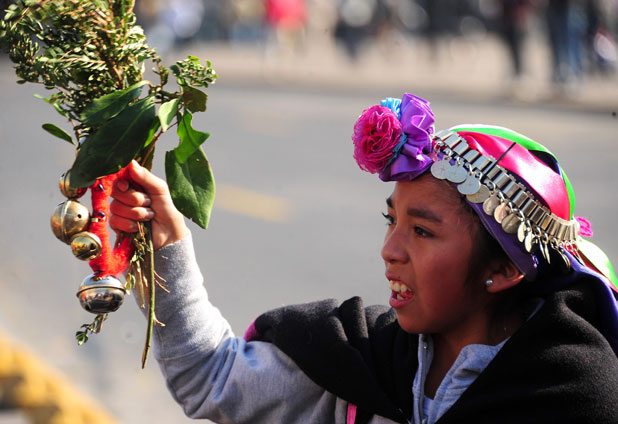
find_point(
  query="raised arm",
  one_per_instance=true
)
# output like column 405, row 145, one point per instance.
column 208, row 370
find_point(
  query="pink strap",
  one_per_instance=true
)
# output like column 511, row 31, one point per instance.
column 547, row 184
column 351, row 417
column 251, row 333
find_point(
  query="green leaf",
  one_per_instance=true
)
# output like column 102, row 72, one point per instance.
column 82, row 336
column 106, row 107
column 192, row 185
column 115, row 144
column 155, row 127
column 194, row 99
column 58, row 132
column 167, row 112
column 53, row 103
column 190, row 138
column 148, row 149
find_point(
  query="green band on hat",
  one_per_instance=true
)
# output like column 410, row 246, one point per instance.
column 599, row 259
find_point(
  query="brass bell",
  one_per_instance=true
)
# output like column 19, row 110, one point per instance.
column 69, row 218
column 86, row 246
column 67, row 190
column 101, row 296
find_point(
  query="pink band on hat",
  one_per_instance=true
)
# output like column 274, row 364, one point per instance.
column 548, row 185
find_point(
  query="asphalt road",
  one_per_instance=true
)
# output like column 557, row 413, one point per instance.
column 295, row 219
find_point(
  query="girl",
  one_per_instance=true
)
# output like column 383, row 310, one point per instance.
column 499, row 310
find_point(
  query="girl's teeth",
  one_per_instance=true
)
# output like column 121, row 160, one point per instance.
column 399, row 297
column 398, row 287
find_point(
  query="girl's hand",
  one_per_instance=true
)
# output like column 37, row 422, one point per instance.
column 146, row 198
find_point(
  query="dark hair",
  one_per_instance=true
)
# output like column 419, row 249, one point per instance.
column 486, row 249
column 487, row 252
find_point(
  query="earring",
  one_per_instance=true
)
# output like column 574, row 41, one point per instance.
column 489, row 282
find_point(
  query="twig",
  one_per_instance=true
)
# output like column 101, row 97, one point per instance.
column 151, row 148
column 152, row 287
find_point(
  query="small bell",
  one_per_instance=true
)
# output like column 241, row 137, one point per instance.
column 69, row 218
column 66, row 189
column 86, row 246
column 101, row 296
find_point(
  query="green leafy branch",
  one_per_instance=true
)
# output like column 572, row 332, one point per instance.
column 92, row 56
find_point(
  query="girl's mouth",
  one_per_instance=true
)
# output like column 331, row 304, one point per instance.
column 400, row 294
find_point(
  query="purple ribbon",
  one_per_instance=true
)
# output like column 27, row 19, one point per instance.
column 412, row 158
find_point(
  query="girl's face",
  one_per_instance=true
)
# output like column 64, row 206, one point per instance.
column 427, row 251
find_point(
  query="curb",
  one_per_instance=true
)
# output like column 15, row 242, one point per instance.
column 461, row 69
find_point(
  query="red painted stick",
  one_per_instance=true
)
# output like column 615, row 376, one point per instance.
column 111, row 261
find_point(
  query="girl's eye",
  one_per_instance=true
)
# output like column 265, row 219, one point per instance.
column 389, row 219
column 421, row 232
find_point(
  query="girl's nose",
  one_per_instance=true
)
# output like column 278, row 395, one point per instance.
column 393, row 249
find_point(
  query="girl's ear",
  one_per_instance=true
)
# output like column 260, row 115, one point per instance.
column 507, row 275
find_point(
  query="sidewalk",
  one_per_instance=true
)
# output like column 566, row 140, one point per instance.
column 458, row 68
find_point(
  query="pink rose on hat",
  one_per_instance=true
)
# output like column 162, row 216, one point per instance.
column 376, row 134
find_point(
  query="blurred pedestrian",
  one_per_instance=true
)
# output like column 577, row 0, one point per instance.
column 287, row 21
column 353, row 28
column 513, row 24
column 566, row 25
column 247, row 17
column 600, row 44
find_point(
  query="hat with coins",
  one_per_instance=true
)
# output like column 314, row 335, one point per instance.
column 514, row 184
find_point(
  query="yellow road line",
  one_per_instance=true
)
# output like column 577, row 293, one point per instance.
column 252, row 203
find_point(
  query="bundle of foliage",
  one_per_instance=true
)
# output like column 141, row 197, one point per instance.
column 91, row 56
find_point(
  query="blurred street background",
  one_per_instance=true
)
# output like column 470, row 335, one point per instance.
column 294, row 220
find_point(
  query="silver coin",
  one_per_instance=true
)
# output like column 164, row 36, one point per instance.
column 438, row 169
column 531, row 242
column 545, row 251
column 456, row 174
column 510, row 224
column 480, row 196
column 565, row 263
column 500, row 213
column 490, row 205
column 470, row 186
column 522, row 231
